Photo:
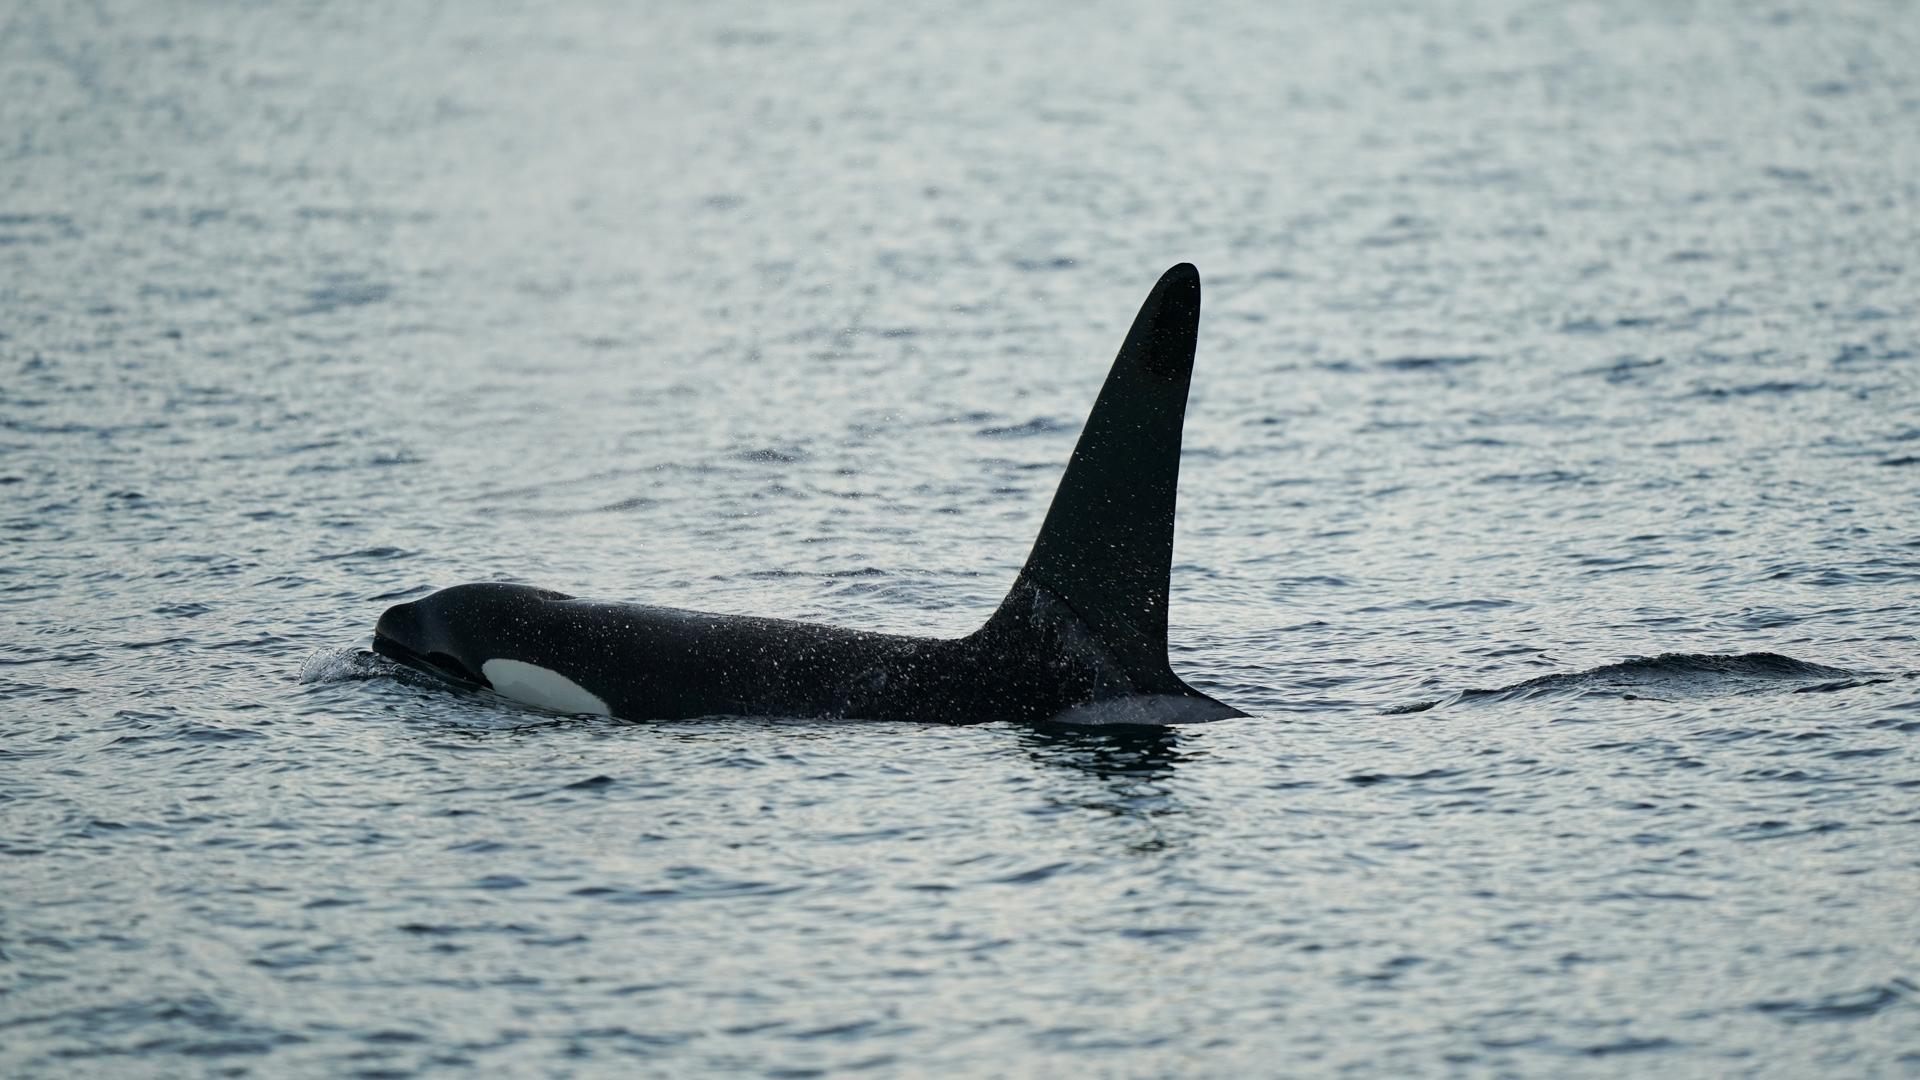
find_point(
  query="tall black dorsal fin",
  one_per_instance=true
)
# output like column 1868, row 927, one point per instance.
column 1106, row 548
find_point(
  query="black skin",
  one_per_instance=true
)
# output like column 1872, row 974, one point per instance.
column 1031, row 662
column 1085, row 623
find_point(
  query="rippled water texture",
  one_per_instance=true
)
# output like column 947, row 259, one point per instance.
column 1550, row 498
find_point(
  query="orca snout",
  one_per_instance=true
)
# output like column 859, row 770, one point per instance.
column 413, row 634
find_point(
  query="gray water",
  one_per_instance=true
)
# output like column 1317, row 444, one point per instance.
column 1549, row 498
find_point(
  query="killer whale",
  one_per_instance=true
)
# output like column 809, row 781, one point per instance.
column 1081, row 638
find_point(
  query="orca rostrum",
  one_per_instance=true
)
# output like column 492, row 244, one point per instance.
column 1080, row 639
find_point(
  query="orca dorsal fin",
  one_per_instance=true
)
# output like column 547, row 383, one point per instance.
column 1106, row 547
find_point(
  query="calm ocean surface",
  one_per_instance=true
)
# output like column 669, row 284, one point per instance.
column 1551, row 497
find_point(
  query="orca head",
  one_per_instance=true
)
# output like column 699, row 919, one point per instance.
column 495, row 636
column 456, row 631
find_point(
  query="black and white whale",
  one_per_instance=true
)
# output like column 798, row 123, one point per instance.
column 1080, row 639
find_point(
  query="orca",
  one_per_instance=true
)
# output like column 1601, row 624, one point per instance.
column 1081, row 638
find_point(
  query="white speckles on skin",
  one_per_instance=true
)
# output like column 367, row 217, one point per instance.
column 535, row 685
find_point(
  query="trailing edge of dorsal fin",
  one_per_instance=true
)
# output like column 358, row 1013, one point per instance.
column 1106, row 548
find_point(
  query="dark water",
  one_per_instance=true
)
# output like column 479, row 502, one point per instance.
column 1551, row 494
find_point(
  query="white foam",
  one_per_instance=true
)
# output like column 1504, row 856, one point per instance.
column 535, row 685
column 342, row 665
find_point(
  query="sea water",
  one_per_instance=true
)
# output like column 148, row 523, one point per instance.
column 1549, row 499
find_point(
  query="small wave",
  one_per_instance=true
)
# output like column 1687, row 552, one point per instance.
column 1045, row 263
column 1430, row 363
column 1773, row 388
column 1669, row 674
column 372, row 554
column 769, row 455
column 1855, row 1005
column 344, row 293
column 1039, row 425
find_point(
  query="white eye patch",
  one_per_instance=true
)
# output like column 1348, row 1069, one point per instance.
column 535, row 685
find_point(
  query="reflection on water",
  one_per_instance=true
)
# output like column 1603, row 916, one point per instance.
column 1141, row 753
column 1129, row 774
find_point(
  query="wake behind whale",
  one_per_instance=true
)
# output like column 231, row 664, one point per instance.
column 1081, row 638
